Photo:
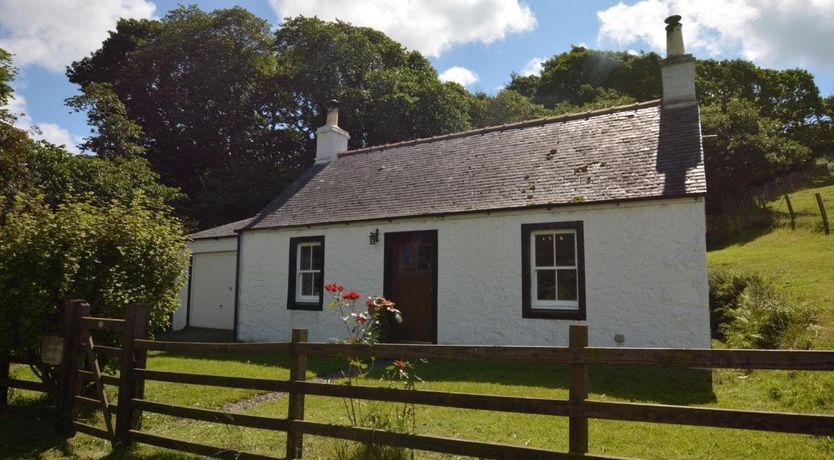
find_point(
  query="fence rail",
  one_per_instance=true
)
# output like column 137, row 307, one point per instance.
column 578, row 408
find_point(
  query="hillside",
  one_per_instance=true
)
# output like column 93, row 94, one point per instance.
column 801, row 259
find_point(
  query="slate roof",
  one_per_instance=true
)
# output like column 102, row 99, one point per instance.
column 640, row 151
column 221, row 231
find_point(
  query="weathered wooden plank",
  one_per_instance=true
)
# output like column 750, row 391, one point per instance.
column 21, row 360
column 95, row 403
column 130, row 385
column 103, row 350
column 456, row 352
column 517, row 404
column 210, row 347
column 432, row 443
column 102, row 324
column 192, row 447
column 91, row 430
column 701, row 358
column 707, row 416
column 106, row 379
column 207, row 415
column 28, row 385
column 248, row 383
column 706, row 358
column 100, row 391
column 295, row 407
column 578, row 392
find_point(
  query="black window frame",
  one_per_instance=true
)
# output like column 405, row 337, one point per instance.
column 527, row 308
column 292, row 303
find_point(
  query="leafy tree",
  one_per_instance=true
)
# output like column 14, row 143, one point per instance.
column 116, row 134
column 7, row 73
column 111, row 256
column 748, row 149
column 507, row 106
column 388, row 94
column 80, row 227
column 202, row 89
column 581, row 76
column 227, row 110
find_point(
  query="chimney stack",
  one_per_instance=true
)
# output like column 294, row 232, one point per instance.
column 678, row 69
column 330, row 138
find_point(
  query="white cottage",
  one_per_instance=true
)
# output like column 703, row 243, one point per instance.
column 501, row 235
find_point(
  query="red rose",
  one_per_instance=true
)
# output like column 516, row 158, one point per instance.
column 352, row 295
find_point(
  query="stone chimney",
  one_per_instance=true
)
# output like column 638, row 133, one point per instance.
column 678, row 69
column 330, row 138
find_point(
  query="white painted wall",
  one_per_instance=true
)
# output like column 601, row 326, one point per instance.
column 645, row 271
column 216, row 259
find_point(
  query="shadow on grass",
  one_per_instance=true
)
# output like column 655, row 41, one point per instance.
column 320, row 365
column 30, row 433
column 634, row 383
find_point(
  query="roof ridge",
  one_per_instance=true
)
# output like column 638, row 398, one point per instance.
column 504, row 127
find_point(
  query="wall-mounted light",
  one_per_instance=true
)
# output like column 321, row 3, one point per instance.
column 374, row 236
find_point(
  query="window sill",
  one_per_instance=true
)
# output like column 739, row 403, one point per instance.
column 553, row 313
column 305, row 306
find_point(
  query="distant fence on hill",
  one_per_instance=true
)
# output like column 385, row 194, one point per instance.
column 758, row 197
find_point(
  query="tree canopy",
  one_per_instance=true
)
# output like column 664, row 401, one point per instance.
column 226, row 109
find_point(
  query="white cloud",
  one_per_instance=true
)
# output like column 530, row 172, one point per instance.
column 49, row 132
column 533, row 67
column 460, row 75
column 770, row 32
column 53, row 33
column 429, row 26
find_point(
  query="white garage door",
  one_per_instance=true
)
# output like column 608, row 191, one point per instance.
column 213, row 290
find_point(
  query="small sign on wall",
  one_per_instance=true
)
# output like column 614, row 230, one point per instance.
column 52, row 350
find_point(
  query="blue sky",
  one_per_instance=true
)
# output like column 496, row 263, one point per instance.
column 483, row 40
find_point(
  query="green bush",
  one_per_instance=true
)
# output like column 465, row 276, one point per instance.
column 110, row 255
column 751, row 311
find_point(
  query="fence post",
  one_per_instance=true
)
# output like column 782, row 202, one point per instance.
column 823, row 214
column 790, row 211
column 4, row 389
column 137, row 317
column 70, row 362
column 578, row 393
column 298, row 372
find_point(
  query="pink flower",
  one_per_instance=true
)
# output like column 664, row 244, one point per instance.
column 400, row 363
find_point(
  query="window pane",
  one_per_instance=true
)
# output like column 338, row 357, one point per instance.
column 316, row 284
column 424, row 258
column 546, row 284
column 306, row 284
column 316, row 265
column 305, row 257
column 567, row 285
column 408, row 262
column 565, row 249
column 544, row 250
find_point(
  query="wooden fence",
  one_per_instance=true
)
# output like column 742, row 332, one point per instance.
column 578, row 408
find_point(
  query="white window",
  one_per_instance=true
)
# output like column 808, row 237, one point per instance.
column 308, row 272
column 554, row 271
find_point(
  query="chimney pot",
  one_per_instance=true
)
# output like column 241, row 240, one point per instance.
column 330, row 139
column 332, row 112
column 674, row 36
column 678, row 69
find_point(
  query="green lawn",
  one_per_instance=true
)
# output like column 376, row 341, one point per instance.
column 783, row 391
column 802, row 259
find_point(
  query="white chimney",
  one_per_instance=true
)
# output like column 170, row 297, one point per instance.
column 678, row 69
column 330, row 138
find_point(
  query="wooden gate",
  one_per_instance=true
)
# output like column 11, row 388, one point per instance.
column 81, row 381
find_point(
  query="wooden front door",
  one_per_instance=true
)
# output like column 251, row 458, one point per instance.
column 410, row 281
